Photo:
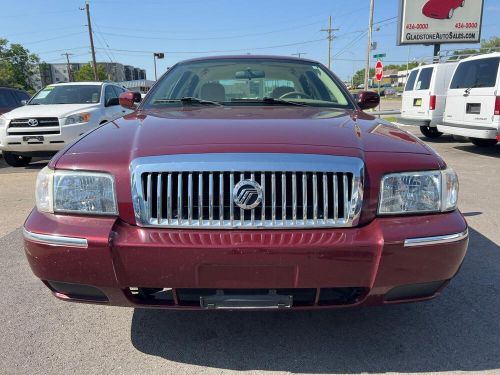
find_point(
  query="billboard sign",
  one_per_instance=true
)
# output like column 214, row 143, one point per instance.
column 440, row 21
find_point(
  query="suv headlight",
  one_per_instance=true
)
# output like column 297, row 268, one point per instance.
column 418, row 192
column 77, row 118
column 63, row 191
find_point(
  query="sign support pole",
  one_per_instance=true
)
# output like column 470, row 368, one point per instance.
column 437, row 49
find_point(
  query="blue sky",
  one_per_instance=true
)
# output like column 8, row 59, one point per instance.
column 129, row 31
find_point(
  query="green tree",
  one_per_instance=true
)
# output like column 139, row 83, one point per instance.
column 17, row 65
column 86, row 73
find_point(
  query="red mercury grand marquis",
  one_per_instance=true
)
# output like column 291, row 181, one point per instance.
column 246, row 183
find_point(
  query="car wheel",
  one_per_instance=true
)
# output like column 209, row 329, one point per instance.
column 430, row 132
column 16, row 160
column 484, row 142
column 462, row 3
column 450, row 13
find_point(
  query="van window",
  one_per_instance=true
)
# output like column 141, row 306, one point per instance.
column 424, row 79
column 411, row 80
column 476, row 73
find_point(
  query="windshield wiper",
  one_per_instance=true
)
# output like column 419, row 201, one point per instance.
column 187, row 100
column 268, row 100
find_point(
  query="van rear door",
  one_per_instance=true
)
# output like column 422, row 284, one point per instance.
column 422, row 93
column 472, row 94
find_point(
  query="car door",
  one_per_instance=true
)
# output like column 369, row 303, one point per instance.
column 112, row 107
column 472, row 94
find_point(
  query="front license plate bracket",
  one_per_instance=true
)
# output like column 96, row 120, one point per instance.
column 36, row 138
column 221, row 301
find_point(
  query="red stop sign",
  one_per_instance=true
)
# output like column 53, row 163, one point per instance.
column 379, row 71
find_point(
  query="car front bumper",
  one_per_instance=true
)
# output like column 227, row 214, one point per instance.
column 50, row 144
column 104, row 260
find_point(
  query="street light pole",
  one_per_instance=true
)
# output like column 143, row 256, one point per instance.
column 369, row 49
column 157, row 55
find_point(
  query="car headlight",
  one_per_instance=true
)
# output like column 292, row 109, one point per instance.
column 418, row 192
column 77, row 118
column 63, row 191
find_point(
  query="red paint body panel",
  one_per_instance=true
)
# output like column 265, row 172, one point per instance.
column 440, row 9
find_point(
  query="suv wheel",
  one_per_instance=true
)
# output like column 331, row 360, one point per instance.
column 430, row 132
column 484, row 142
column 16, row 160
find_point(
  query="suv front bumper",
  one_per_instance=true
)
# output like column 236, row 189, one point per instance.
column 105, row 260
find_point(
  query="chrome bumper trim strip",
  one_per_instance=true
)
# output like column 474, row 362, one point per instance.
column 53, row 240
column 423, row 241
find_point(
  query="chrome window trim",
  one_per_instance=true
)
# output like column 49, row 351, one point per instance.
column 248, row 162
column 55, row 240
column 436, row 240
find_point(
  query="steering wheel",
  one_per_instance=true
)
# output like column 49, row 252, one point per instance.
column 295, row 95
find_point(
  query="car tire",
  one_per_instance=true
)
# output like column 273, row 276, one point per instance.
column 430, row 132
column 460, row 138
column 16, row 160
column 462, row 4
column 450, row 13
column 480, row 142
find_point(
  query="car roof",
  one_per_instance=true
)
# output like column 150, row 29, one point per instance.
column 78, row 83
column 479, row 57
column 246, row 57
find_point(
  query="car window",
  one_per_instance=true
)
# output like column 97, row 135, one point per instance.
column 476, row 73
column 243, row 81
column 21, row 95
column 7, row 99
column 424, row 79
column 109, row 93
column 118, row 91
column 68, row 94
column 411, row 80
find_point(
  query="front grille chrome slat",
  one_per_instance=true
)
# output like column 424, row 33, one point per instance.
column 324, row 191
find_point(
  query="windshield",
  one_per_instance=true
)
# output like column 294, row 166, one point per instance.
column 68, row 94
column 248, row 81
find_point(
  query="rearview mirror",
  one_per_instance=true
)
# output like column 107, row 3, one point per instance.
column 129, row 99
column 368, row 99
column 249, row 74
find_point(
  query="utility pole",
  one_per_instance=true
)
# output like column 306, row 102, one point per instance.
column 89, row 24
column 299, row 54
column 68, row 66
column 330, row 40
column 369, row 49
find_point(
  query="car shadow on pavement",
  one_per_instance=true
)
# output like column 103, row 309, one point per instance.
column 34, row 165
column 458, row 331
column 493, row 152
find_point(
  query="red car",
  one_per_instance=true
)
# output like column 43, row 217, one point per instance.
column 441, row 9
column 246, row 182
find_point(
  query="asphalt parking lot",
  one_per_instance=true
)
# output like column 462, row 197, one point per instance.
column 458, row 332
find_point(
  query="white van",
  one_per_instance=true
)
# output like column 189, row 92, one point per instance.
column 473, row 103
column 425, row 96
column 55, row 116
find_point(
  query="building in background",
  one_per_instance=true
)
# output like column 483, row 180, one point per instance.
column 47, row 74
column 140, row 85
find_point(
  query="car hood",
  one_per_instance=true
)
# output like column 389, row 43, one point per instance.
column 49, row 110
column 240, row 129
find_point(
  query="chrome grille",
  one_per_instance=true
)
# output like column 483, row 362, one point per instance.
column 192, row 191
column 45, row 126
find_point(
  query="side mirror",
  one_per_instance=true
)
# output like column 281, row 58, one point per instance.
column 129, row 99
column 112, row 102
column 368, row 99
column 24, row 102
